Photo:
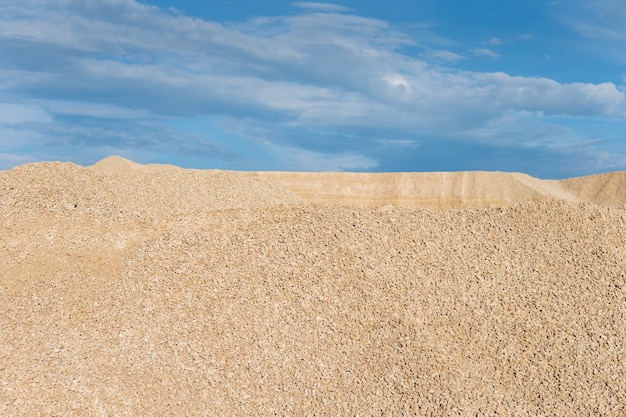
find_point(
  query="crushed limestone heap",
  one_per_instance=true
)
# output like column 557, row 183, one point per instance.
column 130, row 289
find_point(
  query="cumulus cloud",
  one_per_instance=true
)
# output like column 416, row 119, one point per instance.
column 321, row 84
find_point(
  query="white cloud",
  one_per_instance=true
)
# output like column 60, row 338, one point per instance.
column 9, row 160
column 321, row 7
column 333, row 72
column 600, row 33
column 446, row 56
column 600, row 24
column 602, row 19
column 550, row 97
column 298, row 159
column 93, row 110
column 485, row 52
column 347, row 62
column 13, row 113
column 398, row 82
column 526, row 37
column 400, row 143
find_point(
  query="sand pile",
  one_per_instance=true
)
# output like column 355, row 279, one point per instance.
column 607, row 189
column 135, row 290
column 436, row 190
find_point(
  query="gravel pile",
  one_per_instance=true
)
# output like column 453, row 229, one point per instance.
column 176, row 292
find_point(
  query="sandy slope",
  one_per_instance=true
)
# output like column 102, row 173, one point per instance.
column 148, row 290
column 607, row 189
column 438, row 190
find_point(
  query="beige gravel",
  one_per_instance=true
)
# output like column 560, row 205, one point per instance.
column 151, row 290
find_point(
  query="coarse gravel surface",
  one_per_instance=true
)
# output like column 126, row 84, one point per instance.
column 148, row 290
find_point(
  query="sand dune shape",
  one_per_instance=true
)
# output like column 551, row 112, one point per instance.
column 430, row 189
column 607, row 189
column 130, row 289
column 117, row 165
column 440, row 190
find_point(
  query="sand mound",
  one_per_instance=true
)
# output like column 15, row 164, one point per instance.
column 115, row 187
column 607, row 189
column 116, row 165
column 437, row 190
column 448, row 190
column 181, row 292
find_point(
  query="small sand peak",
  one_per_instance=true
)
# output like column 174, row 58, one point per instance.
column 608, row 188
column 115, row 165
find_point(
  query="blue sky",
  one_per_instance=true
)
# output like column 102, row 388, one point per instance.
column 423, row 85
